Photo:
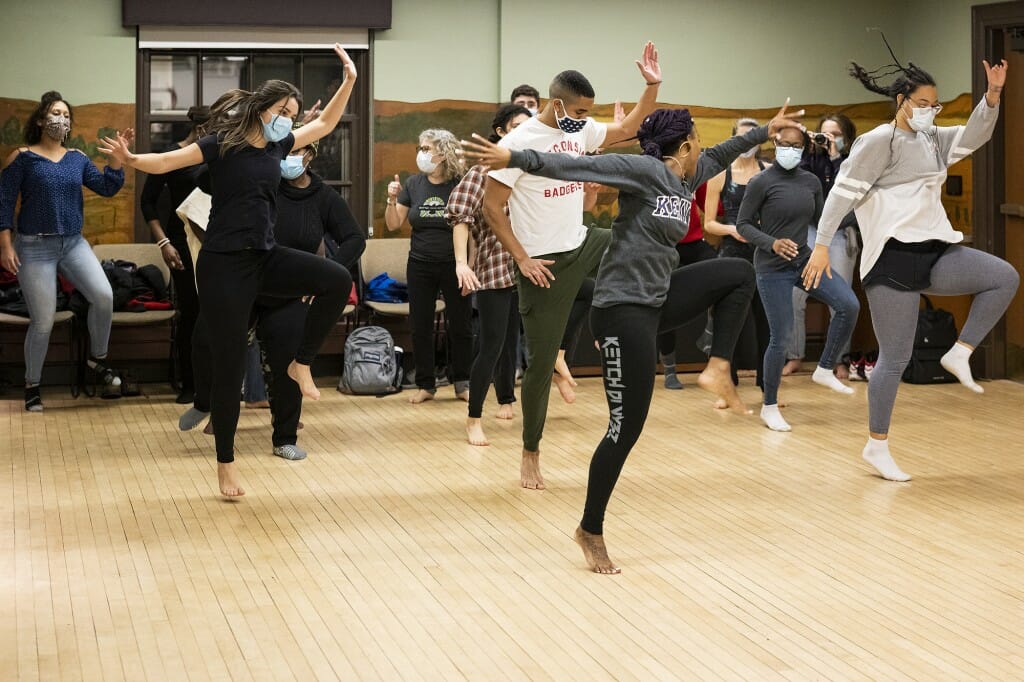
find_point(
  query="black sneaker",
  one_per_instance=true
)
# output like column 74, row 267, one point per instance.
column 33, row 401
column 107, row 378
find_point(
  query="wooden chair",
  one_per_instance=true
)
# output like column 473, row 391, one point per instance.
column 63, row 342
column 147, row 335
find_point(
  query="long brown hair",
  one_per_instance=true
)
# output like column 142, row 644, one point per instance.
column 236, row 113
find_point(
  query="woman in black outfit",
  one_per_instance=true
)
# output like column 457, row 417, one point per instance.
column 170, row 236
column 240, row 260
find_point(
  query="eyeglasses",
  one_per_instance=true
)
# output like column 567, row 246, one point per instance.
column 934, row 107
column 790, row 145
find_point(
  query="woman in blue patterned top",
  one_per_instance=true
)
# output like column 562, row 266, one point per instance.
column 48, row 238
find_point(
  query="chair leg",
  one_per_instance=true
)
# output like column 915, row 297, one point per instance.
column 74, row 356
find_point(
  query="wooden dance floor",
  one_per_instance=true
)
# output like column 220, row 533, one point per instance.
column 397, row 551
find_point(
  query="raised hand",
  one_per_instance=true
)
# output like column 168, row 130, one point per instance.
column 350, row 66
column 312, row 113
column 117, row 148
column 784, row 120
column 648, row 64
column 394, row 187
column 619, row 112
column 486, row 152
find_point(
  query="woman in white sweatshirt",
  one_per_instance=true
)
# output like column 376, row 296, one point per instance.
column 893, row 180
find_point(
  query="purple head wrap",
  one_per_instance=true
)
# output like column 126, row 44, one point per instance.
column 664, row 128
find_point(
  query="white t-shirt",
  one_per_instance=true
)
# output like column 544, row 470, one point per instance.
column 546, row 214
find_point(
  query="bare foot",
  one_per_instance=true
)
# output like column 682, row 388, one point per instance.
column 257, row 405
column 420, row 396
column 208, row 430
column 475, row 432
column 301, row 375
column 842, row 373
column 792, row 367
column 464, row 396
column 595, row 553
column 717, row 379
column 228, row 479
column 721, row 404
column 562, row 367
column 505, row 412
column 565, row 389
column 529, row 471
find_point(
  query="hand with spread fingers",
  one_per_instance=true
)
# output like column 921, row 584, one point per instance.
column 817, row 264
column 486, row 152
column 784, row 120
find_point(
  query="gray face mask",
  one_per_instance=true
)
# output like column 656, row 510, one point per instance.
column 57, row 127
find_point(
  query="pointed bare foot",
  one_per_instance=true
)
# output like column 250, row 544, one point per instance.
column 595, row 553
column 716, row 379
column 420, row 396
column 228, row 479
column 529, row 471
column 565, row 389
column 562, row 367
column 792, row 367
column 301, row 375
column 464, row 396
column 475, row 432
column 505, row 412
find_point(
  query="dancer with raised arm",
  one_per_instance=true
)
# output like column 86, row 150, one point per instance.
column 893, row 180
column 639, row 291
column 252, row 134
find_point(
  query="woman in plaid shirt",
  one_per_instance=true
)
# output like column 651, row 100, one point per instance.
column 490, row 275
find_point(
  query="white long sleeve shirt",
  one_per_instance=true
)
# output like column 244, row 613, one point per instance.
column 893, row 181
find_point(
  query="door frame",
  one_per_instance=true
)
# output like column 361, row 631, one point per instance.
column 988, row 27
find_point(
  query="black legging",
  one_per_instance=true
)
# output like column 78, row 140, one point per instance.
column 186, row 302
column 689, row 253
column 496, row 357
column 279, row 344
column 425, row 279
column 627, row 336
column 228, row 286
column 753, row 341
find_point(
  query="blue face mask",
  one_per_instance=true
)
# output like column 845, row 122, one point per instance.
column 292, row 167
column 568, row 124
column 277, row 129
column 788, row 157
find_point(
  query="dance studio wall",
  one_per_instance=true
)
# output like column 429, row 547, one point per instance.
column 79, row 48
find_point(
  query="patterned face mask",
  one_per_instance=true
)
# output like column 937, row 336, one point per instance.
column 57, row 127
column 568, row 124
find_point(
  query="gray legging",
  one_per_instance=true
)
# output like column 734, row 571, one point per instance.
column 960, row 270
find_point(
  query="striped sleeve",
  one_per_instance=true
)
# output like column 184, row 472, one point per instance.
column 868, row 159
column 959, row 142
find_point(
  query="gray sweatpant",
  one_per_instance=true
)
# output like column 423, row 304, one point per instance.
column 960, row 270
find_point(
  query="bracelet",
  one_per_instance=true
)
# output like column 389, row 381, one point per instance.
column 654, row 83
column 391, row 202
column 163, row 242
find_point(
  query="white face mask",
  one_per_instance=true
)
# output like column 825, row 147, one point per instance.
column 533, row 110
column 923, row 120
column 424, row 161
column 788, row 157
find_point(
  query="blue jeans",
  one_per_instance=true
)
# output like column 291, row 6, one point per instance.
column 776, row 289
column 843, row 257
column 42, row 257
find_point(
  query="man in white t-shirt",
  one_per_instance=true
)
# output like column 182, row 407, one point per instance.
column 544, row 232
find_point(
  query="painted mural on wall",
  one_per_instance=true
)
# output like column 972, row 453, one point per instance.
column 107, row 220
column 397, row 126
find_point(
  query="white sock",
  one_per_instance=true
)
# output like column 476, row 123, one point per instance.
column 957, row 361
column 772, row 418
column 876, row 453
column 825, row 377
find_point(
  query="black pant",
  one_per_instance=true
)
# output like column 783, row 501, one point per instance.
column 228, row 286
column 496, row 357
column 425, row 279
column 753, row 341
column 627, row 337
column 186, row 302
column 277, row 330
column 689, row 253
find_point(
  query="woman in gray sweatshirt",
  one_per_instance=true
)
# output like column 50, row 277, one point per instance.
column 639, row 291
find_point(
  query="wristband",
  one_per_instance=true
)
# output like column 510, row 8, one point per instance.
column 163, row 242
column 391, row 202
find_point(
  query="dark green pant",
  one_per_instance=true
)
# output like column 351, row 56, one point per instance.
column 545, row 313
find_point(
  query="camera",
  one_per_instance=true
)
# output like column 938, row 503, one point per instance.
column 819, row 139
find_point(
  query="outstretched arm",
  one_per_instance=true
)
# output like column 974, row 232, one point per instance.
column 118, row 148
column 328, row 119
column 651, row 71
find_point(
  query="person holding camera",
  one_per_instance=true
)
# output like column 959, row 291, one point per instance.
column 777, row 207
column 828, row 149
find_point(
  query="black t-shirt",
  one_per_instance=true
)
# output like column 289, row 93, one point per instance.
column 180, row 184
column 431, row 234
column 244, row 187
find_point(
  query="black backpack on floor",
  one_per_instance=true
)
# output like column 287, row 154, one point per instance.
column 936, row 334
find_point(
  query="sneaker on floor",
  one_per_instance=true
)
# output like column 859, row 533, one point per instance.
column 33, row 401
column 292, row 452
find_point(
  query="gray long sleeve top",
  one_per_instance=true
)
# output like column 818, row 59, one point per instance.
column 779, row 204
column 654, row 212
